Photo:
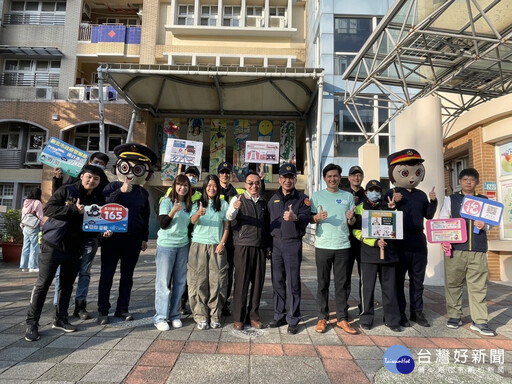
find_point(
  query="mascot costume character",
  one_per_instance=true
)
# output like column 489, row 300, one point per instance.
column 406, row 171
column 133, row 168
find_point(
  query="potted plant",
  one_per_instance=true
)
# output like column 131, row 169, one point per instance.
column 12, row 238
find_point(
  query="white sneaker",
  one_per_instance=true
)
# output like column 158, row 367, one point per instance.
column 176, row 323
column 162, row 326
column 203, row 325
column 215, row 324
column 33, row 270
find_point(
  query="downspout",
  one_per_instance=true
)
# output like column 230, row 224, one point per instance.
column 318, row 157
column 130, row 128
column 102, row 110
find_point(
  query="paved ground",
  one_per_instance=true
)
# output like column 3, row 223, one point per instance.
column 136, row 352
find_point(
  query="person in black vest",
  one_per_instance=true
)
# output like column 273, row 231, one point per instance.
column 290, row 212
column 61, row 247
column 249, row 217
column 468, row 261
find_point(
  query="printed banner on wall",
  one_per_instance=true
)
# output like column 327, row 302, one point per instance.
column 265, row 133
column 242, row 131
column 217, row 143
column 288, row 141
column 171, row 131
column 195, row 128
column 505, row 166
column 506, row 195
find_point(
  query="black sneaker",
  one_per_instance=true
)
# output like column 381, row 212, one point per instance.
column 483, row 329
column 225, row 311
column 126, row 316
column 454, row 323
column 293, row 329
column 32, row 332
column 394, row 328
column 366, row 327
column 419, row 318
column 64, row 325
column 277, row 323
column 403, row 321
column 103, row 319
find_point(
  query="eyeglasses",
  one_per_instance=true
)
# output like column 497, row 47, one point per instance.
column 250, row 184
column 289, row 177
column 124, row 168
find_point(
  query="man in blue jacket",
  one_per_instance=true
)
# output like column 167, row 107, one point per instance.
column 290, row 212
column 468, row 261
column 62, row 244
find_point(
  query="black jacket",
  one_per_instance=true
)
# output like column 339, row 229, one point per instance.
column 477, row 242
column 63, row 228
column 278, row 203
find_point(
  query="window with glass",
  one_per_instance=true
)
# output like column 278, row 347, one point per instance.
column 131, row 21
column 349, row 137
column 277, row 17
column 37, row 12
column 231, row 17
column 350, row 34
column 254, row 17
column 36, row 138
column 10, row 136
column 87, row 137
column 185, row 15
column 31, row 72
column 455, row 166
column 6, row 194
column 209, row 15
column 27, row 188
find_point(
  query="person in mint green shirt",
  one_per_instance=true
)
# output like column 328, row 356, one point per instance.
column 332, row 210
column 172, row 254
column 207, row 259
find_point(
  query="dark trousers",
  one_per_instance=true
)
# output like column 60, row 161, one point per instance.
column 124, row 248
column 50, row 259
column 412, row 259
column 286, row 261
column 249, row 270
column 355, row 256
column 387, row 277
column 326, row 259
column 230, row 253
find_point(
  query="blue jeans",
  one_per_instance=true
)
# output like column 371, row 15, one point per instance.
column 171, row 271
column 30, row 251
column 84, row 274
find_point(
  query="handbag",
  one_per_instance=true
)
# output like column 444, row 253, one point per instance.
column 30, row 220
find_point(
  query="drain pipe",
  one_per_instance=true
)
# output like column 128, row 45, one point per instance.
column 102, row 110
column 318, row 157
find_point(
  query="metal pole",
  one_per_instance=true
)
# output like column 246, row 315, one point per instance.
column 129, row 136
column 102, row 110
column 318, row 156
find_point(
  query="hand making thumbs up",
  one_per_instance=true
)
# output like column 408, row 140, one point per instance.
column 201, row 211
column 79, row 206
column 289, row 215
column 432, row 194
column 127, row 186
column 321, row 215
column 350, row 213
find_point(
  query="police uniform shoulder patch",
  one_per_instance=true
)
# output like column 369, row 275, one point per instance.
column 307, row 202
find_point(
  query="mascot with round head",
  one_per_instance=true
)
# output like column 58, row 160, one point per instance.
column 406, row 171
column 132, row 168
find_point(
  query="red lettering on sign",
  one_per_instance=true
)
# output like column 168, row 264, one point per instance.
column 113, row 212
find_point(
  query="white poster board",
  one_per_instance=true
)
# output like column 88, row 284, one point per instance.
column 266, row 152
column 186, row 152
column 383, row 224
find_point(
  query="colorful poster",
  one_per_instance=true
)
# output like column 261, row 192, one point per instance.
column 217, row 143
column 505, row 159
column 265, row 133
column 195, row 128
column 241, row 132
column 506, row 196
column 171, row 130
column 110, row 217
column 288, row 141
column 383, row 224
column 263, row 152
column 183, row 152
column 446, row 231
column 59, row 154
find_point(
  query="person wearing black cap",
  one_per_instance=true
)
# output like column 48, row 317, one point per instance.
column 99, row 160
column 330, row 211
column 406, row 171
column 355, row 178
column 133, row 168
column 372, row 265
column 227, row 192
column 290, row 213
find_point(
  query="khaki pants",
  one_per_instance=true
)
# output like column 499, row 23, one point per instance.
column 470, row 268
column 207, row 281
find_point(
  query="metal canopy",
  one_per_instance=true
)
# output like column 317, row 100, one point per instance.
column 7, row 50
column 236, row 92
column 458, row 50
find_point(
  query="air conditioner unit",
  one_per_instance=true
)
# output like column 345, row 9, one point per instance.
column 32, row 157
column 94, row 93
column 254, row 21
column 44, row 93
column 76, row 93
column 277, row 22
column 86, row 11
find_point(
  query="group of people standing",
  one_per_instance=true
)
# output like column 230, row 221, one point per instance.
column 221, row 236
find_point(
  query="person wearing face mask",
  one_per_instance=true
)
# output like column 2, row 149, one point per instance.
column 372, row 265
column 100, row 161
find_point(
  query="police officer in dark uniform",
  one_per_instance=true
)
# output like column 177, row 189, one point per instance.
column 290, row 213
